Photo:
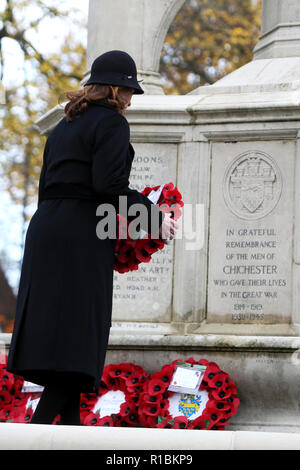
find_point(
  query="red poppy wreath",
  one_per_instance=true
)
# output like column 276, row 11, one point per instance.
column 118, row 398
column 7, row 382
column 210, row 408
column 15, row 405
column 129, row 253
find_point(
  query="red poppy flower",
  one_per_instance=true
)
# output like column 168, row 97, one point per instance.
column 18, row 385
column 148, row 190
column 173, row 195
column 141, row 253
column 230, row 406
column 19, row 399
column 164, row 405
column 218, row 381
column 92, row 419
column 156, row 386
column 138, row 369
column 130, row 242
column 151, row 409
column 108, row 382
column 5, row 412
column 221, row 394
column 180, row 422
column 166, row 189
column 213, row 420
column 213, row 415
column 5, row 397
column 106, row 421
column 136, row 376
column 125, row 253
column 7, row 380
column 165, row 376
column 133, row 262
column 132, row 418
column 211, row 371
column 126, row 370
column 169, row 368
column 87, row 403
column 217, row 406
column 191, row 360
column 84, row 411
column 198, row 423
column 135, row 382
column 231, row 385
column 114, row 371
column 152, row 399
column 126, row 408
column 153, row 244
column 21, row 414
column 120, row 267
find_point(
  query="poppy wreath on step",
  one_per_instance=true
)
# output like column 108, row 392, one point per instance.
column 118, row 398
column 210, row 408
column 6, row 392
column 15, row 406
column 87, row 403
column 24, row 408
column 129, row 253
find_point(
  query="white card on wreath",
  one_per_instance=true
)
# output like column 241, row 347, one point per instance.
column 187, row 378
column 109, row 403
column 155, row 194
column 29, row 387
column 154, row 197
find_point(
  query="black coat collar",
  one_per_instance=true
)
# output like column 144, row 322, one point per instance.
column 105, row 103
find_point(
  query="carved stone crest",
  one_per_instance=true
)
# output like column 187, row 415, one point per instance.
column 252, row 185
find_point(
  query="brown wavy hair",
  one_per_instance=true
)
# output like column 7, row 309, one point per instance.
column 80, row 99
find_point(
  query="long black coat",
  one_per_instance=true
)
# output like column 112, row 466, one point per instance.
column 64, row 304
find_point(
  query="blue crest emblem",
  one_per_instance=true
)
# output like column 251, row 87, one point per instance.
column 189, row 404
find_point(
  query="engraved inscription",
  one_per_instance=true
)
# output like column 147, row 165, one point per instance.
column 252, row 280
column 250, row 277
column 145, row 294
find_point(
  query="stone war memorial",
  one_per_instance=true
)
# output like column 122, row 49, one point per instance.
column 227, row 288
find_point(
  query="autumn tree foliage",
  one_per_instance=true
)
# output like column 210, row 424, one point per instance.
column 7, row 304
column 45, row 78
column 207, row 40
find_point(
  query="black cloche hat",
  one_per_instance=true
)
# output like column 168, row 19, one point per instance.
column 115, row 68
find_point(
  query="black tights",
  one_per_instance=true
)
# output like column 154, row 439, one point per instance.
column 58, row 398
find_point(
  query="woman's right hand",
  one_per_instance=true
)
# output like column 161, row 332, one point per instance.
column 168, row 228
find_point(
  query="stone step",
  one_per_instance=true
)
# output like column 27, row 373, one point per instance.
column 50, row 437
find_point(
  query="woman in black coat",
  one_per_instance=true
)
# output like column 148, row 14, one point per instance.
column 64, row 304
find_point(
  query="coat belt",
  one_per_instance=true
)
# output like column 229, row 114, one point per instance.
column 66, row 191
